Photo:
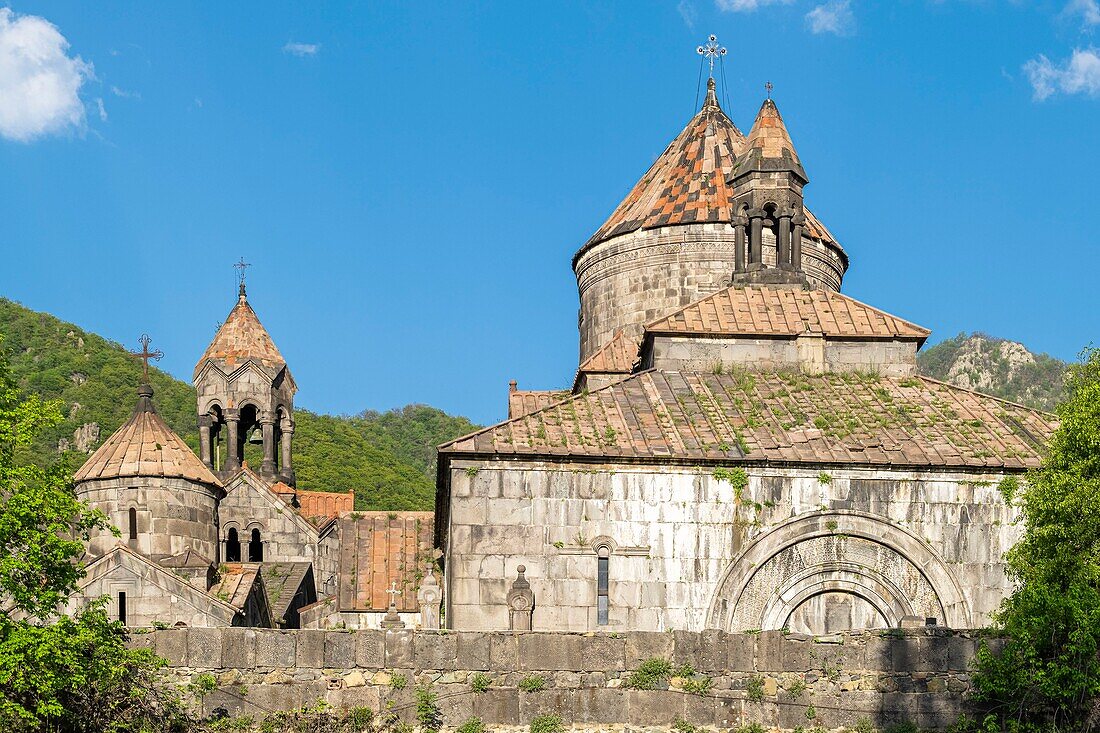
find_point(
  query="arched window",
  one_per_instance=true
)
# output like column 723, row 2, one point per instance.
column 232, row 546
column 133, row 523
column 603, row 557
column 122, row 606
column 255, row 547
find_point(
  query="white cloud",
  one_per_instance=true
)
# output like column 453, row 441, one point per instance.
column 687, row 12
column 747, row 6
column 39, row 82
column 1079, row 75
column 301, row 49
column 101, row 109
column 125, row 94
column 833, row 17
column 1087, row 10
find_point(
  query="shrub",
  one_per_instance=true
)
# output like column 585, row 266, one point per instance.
column 427, row 710
column 652, row 672
column 532, row 683
column 754, row 688
column 398, row 681
column 472, row 725
column 480, row 682
column 547, row 724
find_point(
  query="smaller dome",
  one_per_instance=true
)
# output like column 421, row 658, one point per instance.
column 242, row 338
column 145, row 446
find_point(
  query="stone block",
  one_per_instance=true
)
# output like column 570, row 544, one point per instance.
column 142, row 641
column 905, row 654
column 685, row 648
column 602, row 653
column 653, row 707
column 769, row 651
column 497, row 707
column 713, row 651
column 239, row 647
column 961, row 653
column 399, row 649
column 437, row 651
column 204, row 648
column 456, row 703
column 643, row 645
column 358, row 697
column 698, row 709
column 311, row 648
column 598, row 705
column 878, row 653
column 504, row 652
column 339, row 650
column 275, row 649
column 171, row 644
column 370, row 649
column 741, row 652
column 473, row 651
column 550, row 652
column 546, row 702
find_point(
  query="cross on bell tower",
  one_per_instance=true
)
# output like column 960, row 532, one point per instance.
column 241, row 267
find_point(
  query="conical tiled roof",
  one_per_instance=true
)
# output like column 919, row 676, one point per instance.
column 145, row 446
column 769, row 146
column 688, row 182
column 242, row 337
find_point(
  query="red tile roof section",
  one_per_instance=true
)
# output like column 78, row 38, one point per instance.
column 771, row 310
column 687, row 183
column 526, row 401
column 780, row 418
column 242, row 337
column 326, row 504
column 617, row 356
column 378, row 549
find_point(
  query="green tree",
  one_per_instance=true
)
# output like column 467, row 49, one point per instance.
column 59, row 673
column 1047, row 676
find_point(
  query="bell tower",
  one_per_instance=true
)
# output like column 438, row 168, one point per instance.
column 767, row 182
column 245, row 395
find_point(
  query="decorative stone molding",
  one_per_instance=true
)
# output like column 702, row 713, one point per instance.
column 521, row 602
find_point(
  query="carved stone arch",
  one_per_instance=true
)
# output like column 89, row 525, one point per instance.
column 603, row 541
column 885, row 565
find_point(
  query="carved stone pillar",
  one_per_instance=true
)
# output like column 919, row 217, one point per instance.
column 267, row 425
column 286, row 460
column 739, row 246
column 796, row 243
column 428, row 597
column 206, row 441
column 232, row 440
column 521, row 603
column 783, row 245
column 756, row 240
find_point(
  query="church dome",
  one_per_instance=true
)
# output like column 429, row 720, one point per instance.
column 242, row 338
column 671, row 240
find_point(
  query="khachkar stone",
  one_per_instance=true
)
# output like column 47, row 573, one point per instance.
column 392, row 620
column 429, row 597
column 521, row 602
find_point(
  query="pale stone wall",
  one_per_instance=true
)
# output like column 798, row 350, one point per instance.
column 779, row 681
column 813, row 355
column 173, row 515
column 286, row 536
column 630, row 280
column 689, row 551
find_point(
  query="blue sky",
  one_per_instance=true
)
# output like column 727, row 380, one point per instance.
column 410, row 180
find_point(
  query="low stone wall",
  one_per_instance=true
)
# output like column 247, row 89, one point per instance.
column 780, row 681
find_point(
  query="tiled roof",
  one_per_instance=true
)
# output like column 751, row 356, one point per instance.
column 378, row 549
column 769, row 145
column 235, row 582
column 525, row 401
column 688, row 182
column 242, row 337
column 145, row 446
column 281, row 581
column 776, row 310
column 617, row 356
column 776, row 417
column 324, row 504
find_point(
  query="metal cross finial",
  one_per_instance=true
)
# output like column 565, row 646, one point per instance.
column 393, row 593
column 240, row 268
column 711, row 51
column 768, row 86
column 145, row 355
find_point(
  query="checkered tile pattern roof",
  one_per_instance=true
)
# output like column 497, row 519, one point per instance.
column 769, row 145
column 771, row 310
column 772, row 417
column 687, row 183
column 378, row 549
column 145, row 446
column 242, row 337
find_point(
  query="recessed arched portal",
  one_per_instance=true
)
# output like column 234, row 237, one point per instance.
column 830, row 571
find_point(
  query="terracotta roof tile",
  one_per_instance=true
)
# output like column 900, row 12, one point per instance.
column 145, row 446
column 688, row 182
column 769, row 310
column 242, row 337
column 378, row 549
column 327, row 504
column 235, row 582
column 524, row 401
column 777, row 417
column 617, row 356
column 769, row 145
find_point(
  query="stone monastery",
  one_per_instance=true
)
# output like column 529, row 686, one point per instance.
column 743, row 447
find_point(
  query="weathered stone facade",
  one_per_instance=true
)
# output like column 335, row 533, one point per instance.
column 780, row 681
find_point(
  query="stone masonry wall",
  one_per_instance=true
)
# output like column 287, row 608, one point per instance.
column 780, row 681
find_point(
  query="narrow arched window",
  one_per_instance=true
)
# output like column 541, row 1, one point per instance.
column 133, row 523
column 122, row 607
column 232, row 546
column 603, row 556
column 255, row 547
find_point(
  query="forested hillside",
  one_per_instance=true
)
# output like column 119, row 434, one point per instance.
column 998, row 367
column 388, row 459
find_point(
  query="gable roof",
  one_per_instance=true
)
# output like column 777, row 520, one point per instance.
column 617, row 356
column 775, row 310
column 145, row 446
column 240, row 339
column 378, row 549
column 282, row 581
column 773, row 417
column 688, row 183
column 235, row 582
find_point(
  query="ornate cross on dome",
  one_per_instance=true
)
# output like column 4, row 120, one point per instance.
column 711, row 51
column 240, row 267
column 145, row 355
column 768, row 87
